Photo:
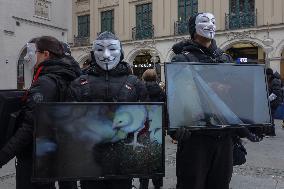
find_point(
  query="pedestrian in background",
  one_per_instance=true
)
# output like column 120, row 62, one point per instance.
column 156, row 94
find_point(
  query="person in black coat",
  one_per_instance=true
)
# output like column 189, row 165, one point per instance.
column 275, row 94
column 51, row 67
column 204, row 158
column 156, row 94
column 108, row 79
column 274, row 89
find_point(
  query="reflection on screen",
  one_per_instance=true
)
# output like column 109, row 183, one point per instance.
column 216, row 95
column 98, row 140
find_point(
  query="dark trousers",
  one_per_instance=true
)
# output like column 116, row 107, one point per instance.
column 24, row 173
column 107, row 184
column 157, row 182
column 204, row 162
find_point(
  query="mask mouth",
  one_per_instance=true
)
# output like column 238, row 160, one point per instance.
column 107, row 59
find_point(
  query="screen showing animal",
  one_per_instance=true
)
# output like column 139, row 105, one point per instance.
column 216, row 95
column 98, row 140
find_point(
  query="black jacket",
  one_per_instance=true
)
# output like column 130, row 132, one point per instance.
column 51, row 75
column 274, row 86
column 116, row 85
column 155, row 92
column 189, row 51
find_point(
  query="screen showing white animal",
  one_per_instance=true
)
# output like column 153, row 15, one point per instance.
column 81, row 140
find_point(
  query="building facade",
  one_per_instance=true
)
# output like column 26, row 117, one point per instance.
column 250, row 30
column 20, row 21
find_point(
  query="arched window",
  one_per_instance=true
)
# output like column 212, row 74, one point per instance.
column 20, row 70
column 242, row 14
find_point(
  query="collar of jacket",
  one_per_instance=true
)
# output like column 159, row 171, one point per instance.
column 212, row 51
column 64, row 67
column 122, row 68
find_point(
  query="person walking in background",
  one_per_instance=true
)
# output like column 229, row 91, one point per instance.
column 156, row 94
column 274, row 94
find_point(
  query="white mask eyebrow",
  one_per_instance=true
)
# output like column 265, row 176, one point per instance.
column 205, row 18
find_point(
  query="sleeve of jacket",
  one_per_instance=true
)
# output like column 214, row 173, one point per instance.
column 43, row 90
column 179, row 58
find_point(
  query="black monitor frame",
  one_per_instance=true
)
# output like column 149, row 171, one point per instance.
column 218, row 127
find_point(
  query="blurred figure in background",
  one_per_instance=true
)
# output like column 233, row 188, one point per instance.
column 156, row 94
column 274, row 92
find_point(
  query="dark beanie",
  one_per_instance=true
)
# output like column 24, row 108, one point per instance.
column 191, row 25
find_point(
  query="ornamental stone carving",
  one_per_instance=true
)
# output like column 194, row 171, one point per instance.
column 108, row 3
column 241, row 35
column 144, row 44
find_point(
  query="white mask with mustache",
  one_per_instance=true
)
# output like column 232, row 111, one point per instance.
column 205, row 25
column 107, row 53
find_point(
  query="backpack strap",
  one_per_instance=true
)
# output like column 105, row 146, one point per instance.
column 79, row 89
column 61, row 85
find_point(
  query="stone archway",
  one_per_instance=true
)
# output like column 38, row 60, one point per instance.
column 84, row 60
column 170, row 55
column 21, row 70
column 245, row 51
column 24, row 72
column 228, row 43
column 146, row 59
column 132, row 54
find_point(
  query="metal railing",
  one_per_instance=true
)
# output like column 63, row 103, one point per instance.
column 240, row 20
column 81, row 41
column 143, row 32
column 181, row 28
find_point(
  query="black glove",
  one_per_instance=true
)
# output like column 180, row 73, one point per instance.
column 182, row 134
column 254, row 138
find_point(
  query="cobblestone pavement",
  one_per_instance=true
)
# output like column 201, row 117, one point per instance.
column 264, row 168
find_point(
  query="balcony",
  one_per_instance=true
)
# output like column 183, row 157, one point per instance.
column 81, row 41
column 181, row 28
column 143, row 32
column 241, row 20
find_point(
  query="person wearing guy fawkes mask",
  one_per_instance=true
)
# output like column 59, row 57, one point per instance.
column 108, row 79
column 204, row 158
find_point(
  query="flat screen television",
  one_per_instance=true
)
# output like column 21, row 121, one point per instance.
column 77, row 141
column 214, row 96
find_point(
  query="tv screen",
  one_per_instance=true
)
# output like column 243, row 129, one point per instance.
column 216, row 95
column 98, row 140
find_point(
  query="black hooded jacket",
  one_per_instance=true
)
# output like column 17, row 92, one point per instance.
column 155, row 92
column 189, row 51
column 49, row 78
column 116, row 85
